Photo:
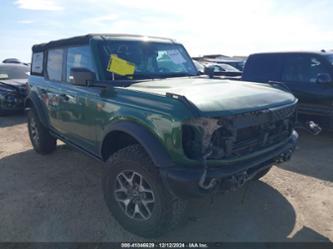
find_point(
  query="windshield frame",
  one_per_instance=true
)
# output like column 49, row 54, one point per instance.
column 105, row 75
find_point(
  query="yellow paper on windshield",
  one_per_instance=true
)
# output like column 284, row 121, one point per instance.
column 119, row 66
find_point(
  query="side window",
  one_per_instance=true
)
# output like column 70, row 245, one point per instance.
column 262, row 68
column 303, row 69
column 37, row 63
column 55, row 59
column 79, row 57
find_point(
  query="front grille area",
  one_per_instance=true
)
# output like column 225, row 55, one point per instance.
column 242, row 134
column 253, row 131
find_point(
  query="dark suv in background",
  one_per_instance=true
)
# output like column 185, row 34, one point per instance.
column 309, row 75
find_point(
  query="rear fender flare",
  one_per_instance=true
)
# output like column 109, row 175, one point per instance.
column 33, row 101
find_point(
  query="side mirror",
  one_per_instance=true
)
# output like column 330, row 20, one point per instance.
column 81, row 76
column 324, row 78
column 209, row 70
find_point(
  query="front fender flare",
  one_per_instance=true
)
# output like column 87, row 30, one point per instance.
column 149, row 142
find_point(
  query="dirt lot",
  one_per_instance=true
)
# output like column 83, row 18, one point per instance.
column 59, row 198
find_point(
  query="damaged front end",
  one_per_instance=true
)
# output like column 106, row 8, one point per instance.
column 231, row 137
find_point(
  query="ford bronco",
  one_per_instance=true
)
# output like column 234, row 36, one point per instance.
column 166, row 133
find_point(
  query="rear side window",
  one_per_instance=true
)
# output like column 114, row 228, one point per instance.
column 55, row 59
column 303, row 69
column 79, row 57
column 262, row 68
column 37, row 63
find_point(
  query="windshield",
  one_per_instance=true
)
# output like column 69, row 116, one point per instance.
column 14, row 72
column 330, row 58
column 144, row 60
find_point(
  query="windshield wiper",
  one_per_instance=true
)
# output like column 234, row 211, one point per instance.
column 155, row 76
column 176, row 75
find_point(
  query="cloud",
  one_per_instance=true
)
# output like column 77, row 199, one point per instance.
column 100, row 20
column 25, row 21
column 212, row 26
column 39, row 5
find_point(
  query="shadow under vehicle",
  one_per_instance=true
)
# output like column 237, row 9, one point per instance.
column 56, row 198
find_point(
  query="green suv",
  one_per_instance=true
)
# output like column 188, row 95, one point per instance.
column 166, row 133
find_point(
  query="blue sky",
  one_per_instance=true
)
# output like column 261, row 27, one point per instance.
column 233, row 27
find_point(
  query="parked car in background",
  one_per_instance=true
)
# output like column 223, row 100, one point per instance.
column 309, row 75
column 166, row 133
column 13, row 80
column 216, row 69
column 235, row 61
column 12, row 60
column 223, row 69
column 199, row 66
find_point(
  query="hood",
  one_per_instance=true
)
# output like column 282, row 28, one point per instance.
column 7, row 86
column 216, row 96
column 15, row 82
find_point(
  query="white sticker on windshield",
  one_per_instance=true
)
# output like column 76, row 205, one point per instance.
column 176, row 56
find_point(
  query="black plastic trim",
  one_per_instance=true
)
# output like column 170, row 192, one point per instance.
column 38, row 108
column 183, row 181
column 151, row 144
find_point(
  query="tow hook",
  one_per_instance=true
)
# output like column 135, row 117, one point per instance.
column 310, row 127
column 284, row 156
column 203, row 179
column 235, row 182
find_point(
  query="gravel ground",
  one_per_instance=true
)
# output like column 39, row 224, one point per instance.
column 59, row 198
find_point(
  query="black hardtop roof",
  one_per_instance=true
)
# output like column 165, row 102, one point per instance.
column 295, row 52
column 84, row 39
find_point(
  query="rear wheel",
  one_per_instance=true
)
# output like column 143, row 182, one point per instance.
column 136, row 197
column 41, row 139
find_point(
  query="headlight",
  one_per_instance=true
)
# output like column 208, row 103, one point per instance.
column 11, row 98
column 198, row 137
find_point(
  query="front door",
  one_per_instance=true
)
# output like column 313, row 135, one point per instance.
column 79, row 102
column 300, row 73
column 71, row 107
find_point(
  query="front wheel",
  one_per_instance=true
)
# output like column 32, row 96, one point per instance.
column 261, row 174
column 135, row 194
column 41, row 139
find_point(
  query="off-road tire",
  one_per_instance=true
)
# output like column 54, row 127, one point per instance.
column 261, row 174
column 43, row 143
column 167, row 211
